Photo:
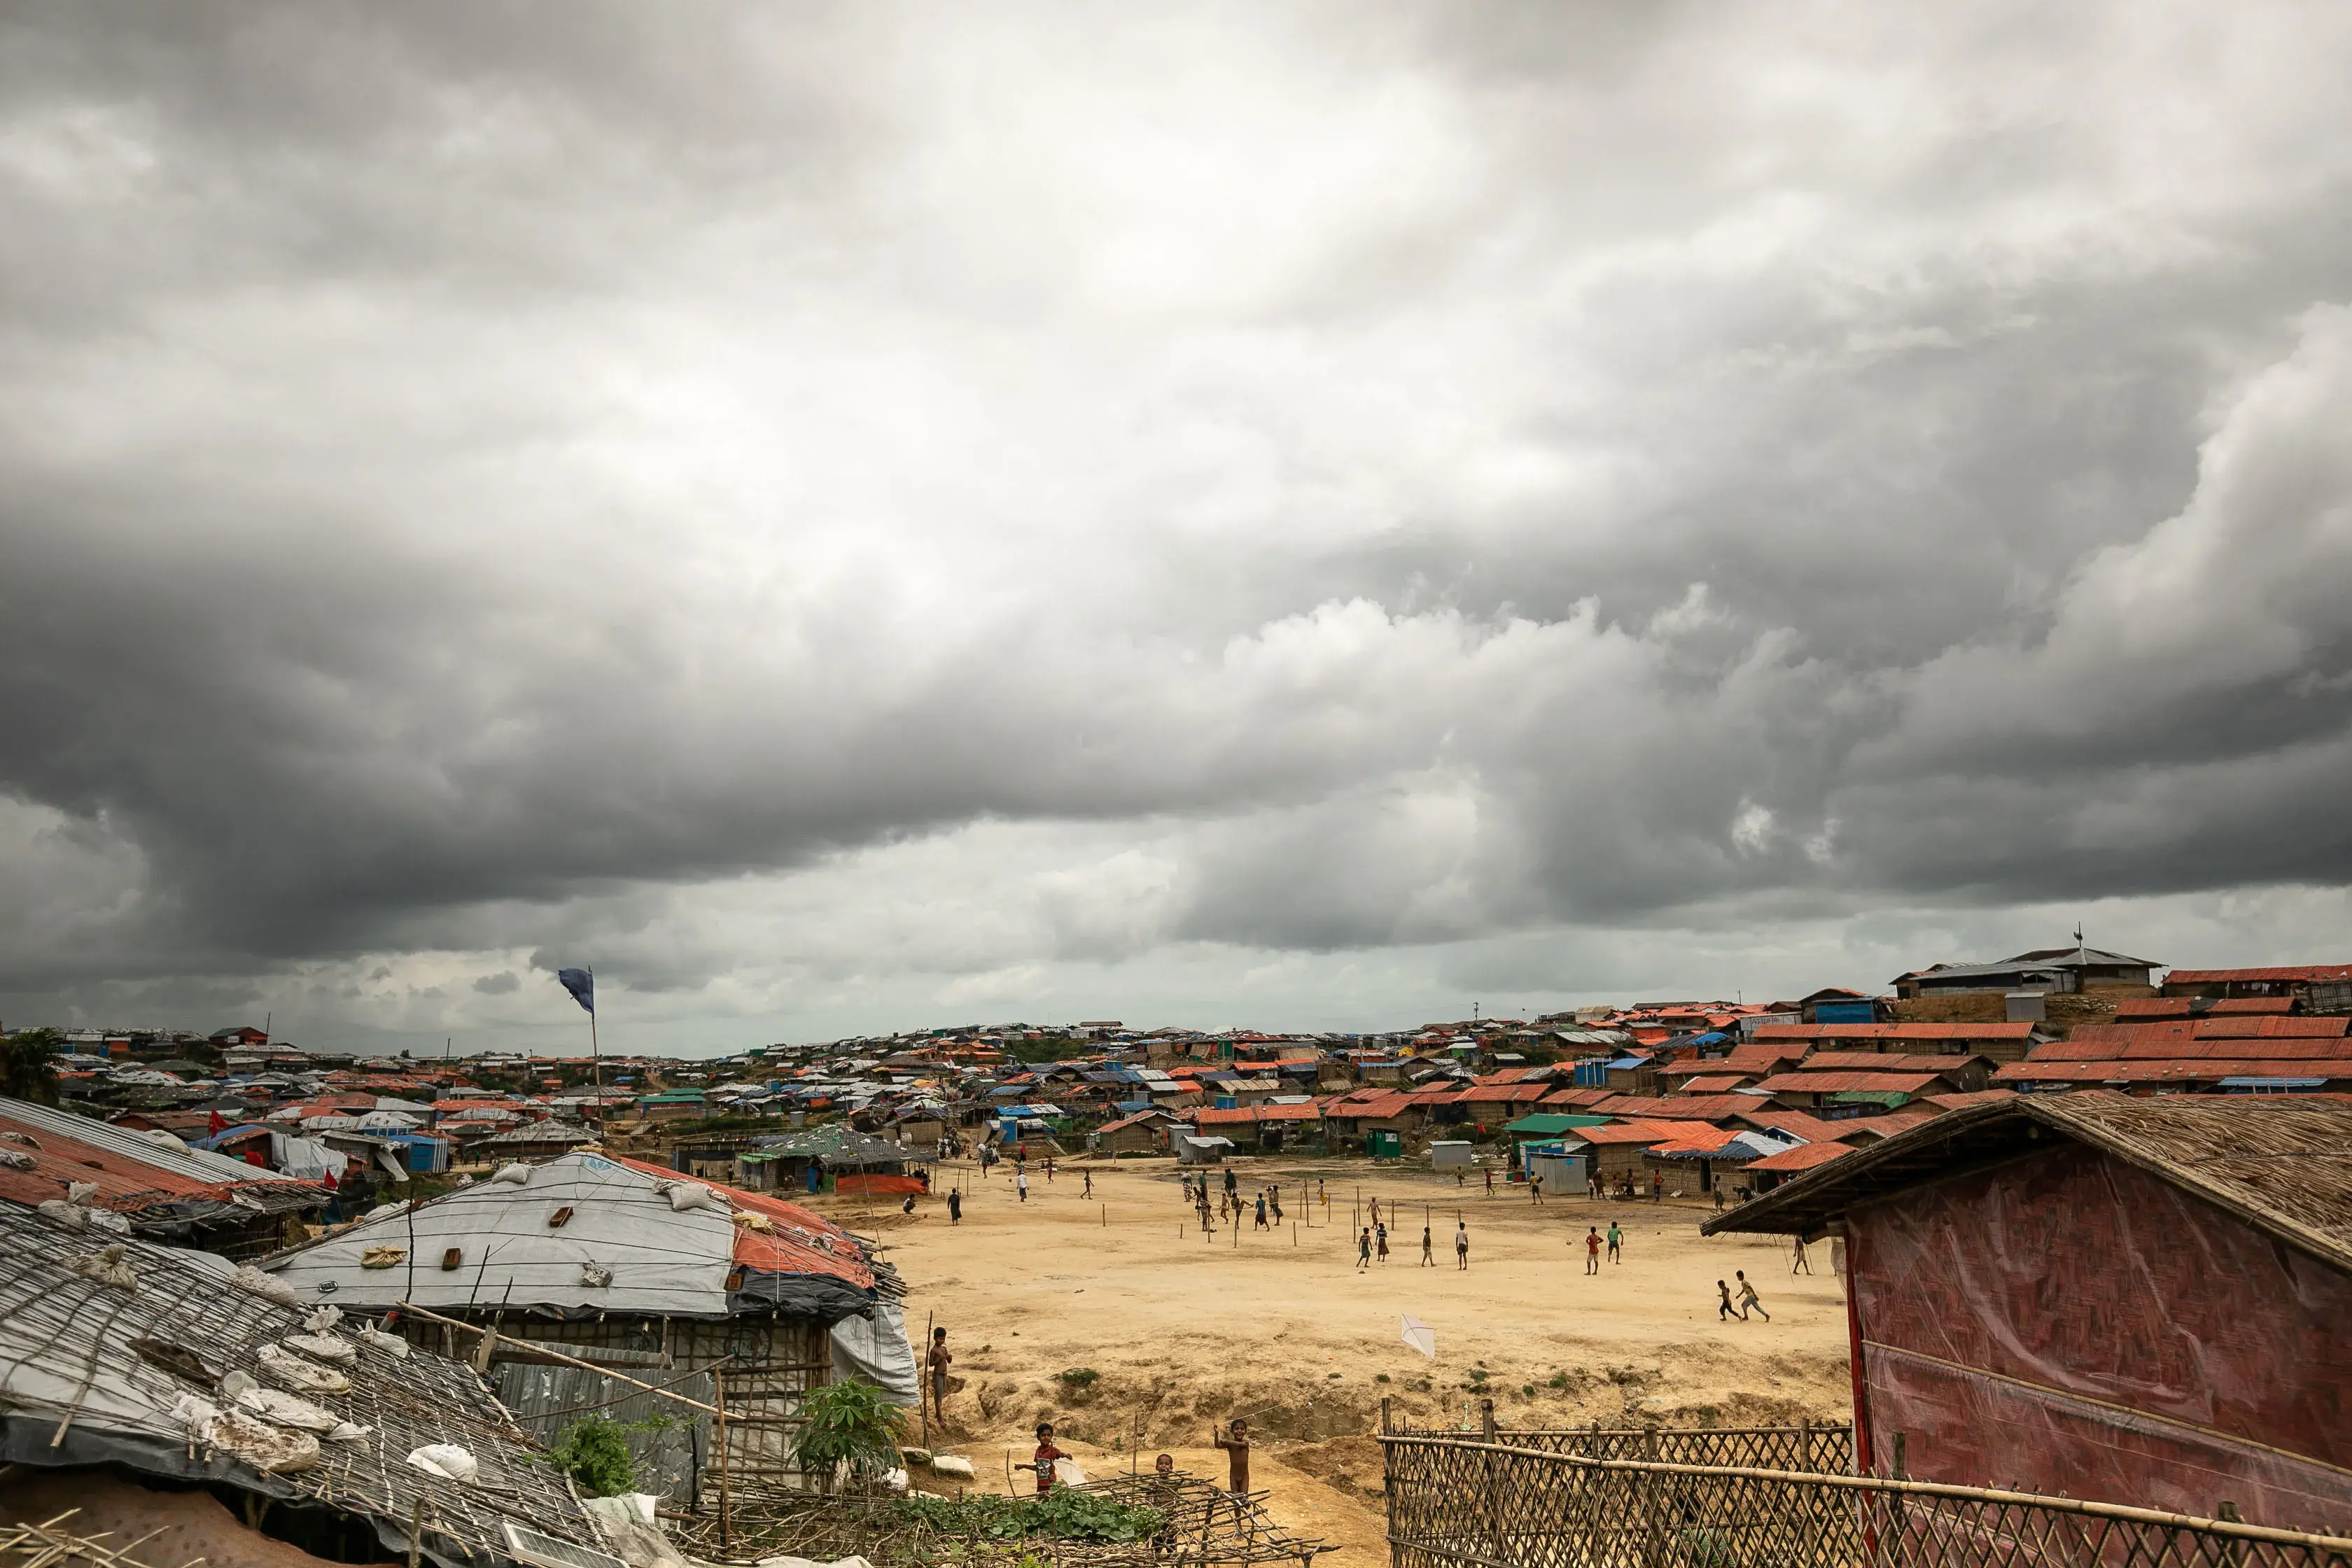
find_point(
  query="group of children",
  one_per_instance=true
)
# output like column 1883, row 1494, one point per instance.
column 1374, row 1244
column 1232, row 1204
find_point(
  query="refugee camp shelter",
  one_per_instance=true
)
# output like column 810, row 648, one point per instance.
column 837, row 1149
column 1145, row 1132
column 2140, row 1301
column 117, row 1358
column 595, row 1250
column 166, row 1190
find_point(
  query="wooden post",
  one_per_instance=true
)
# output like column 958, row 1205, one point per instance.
column 417, row 1532
column 719, row 1410
column 1805, row 1442
column 1387, row 1402
column 1654, row 1540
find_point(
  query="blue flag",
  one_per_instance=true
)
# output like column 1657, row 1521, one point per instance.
column 582, row 984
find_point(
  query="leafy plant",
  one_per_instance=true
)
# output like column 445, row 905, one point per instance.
column 849, row 1426
column 1556, row 1379
column 1061, row 1514
column 1079, row 1377
column 595, row 1455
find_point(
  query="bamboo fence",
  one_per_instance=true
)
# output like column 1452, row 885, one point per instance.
column 1461, row 1501
column 1206, row 1528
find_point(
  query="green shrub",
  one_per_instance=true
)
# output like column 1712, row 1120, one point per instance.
column 1079, row 1377
column 593, row 1453
column 1061, row 1514
column 850, row 1426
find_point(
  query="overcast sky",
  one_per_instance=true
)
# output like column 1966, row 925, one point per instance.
column 847, row 518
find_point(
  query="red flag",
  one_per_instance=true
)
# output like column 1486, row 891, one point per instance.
column 219, row 1123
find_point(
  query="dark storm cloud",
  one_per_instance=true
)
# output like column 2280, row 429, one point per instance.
column 474, row 487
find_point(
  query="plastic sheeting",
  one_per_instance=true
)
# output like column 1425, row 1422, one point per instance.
column 2068, row 1323
column 875, row 1349
column 664, row 1262
column 305, row 1159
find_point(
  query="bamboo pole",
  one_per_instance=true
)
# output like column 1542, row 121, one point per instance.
column 718, row 1393
column 559, row 1358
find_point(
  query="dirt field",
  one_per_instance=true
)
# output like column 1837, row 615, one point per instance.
column 1181, row 1330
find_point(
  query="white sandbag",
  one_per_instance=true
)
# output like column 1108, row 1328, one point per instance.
column 519, row 1174
column 272, row 1405
column 685, row 1195
column 275, row 1450
column 323, row 1347
column 951, row 1464
column 106, row 1268
column 16, row 1159
column 894, row 1479
column 80, row 1192
column 283, row 1366
column 446, row 1460
column 323, row 1320
column 392, row 1345
column 267, row 1286
column 65, row 1214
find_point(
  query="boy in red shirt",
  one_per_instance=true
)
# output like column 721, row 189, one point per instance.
column 1046, row 1455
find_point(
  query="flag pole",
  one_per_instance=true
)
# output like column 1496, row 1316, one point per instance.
column 596, row 1051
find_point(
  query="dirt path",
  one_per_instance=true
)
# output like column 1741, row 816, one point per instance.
column 1180, row 1330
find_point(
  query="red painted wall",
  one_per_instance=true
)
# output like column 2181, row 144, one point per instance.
column 2071, row 1324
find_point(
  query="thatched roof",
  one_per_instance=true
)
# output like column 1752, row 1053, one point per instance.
column 2281, row 1163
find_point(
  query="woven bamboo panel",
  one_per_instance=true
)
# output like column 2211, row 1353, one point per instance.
column 1455, row 1500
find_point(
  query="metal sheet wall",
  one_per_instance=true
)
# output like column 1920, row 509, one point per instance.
column 2072, row 1324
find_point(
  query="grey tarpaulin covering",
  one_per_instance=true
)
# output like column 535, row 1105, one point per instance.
column 662, row 1260
column 659, row 1262
column 875, row 1349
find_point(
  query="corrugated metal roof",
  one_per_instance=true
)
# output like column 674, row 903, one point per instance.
column 2002, row 1031
column 2314, row 973
column 1832, row 1082
column 1803, row 1157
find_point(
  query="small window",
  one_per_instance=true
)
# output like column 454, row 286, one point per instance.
column 556, row 1221
column 451, row 1258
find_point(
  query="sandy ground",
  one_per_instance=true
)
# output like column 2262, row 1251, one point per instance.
column 1282, row 1328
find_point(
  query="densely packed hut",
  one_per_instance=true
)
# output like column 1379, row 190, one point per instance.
column 595, row 1253
column 2140, row 1301
column 162, row 1190
column 176, row 1367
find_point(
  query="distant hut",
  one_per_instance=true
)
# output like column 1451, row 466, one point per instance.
column 2137, row 1301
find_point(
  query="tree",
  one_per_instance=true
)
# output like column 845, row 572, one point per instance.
column 29, row 1066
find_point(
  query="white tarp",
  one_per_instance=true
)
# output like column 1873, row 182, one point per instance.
column 663, row 1260
column 877, row 1352
column 307, row 1159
